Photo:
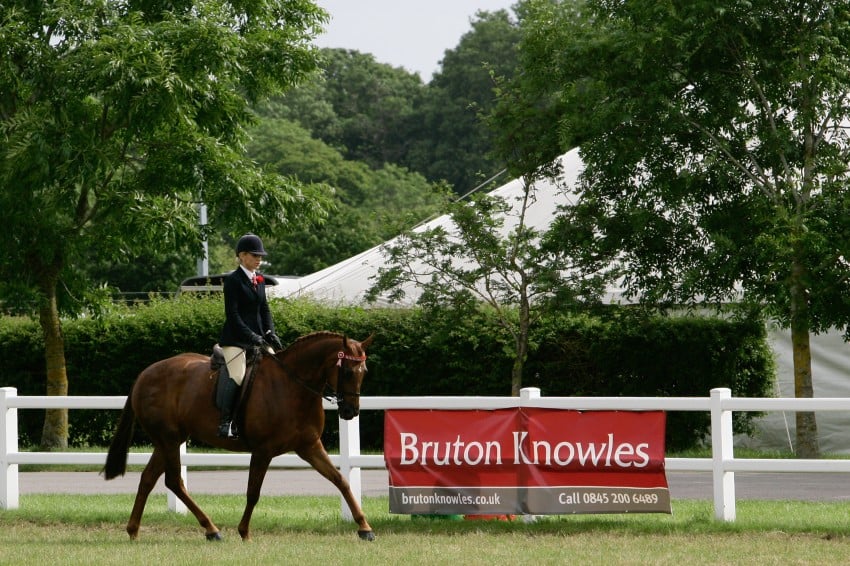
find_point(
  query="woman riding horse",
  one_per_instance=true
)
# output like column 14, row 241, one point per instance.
column 173, row 399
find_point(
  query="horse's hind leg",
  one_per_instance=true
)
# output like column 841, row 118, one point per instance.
column 174, row 482
column 318, row 457
column 147, row 482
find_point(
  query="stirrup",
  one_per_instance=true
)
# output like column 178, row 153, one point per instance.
column 227, row 430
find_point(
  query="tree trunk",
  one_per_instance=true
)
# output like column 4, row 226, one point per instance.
column 521, row 346
column 54, row 435
column 516, row 376
column 807, row 428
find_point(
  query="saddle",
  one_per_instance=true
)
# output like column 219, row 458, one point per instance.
column 216, row 358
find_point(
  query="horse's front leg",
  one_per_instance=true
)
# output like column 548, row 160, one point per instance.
column 318, row 457
column 256, row 475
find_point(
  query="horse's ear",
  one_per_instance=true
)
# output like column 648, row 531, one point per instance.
column 368, row 341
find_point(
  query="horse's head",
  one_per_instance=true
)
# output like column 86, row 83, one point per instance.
column 350, row 371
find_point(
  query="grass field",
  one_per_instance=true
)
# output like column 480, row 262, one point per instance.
column 302, row 530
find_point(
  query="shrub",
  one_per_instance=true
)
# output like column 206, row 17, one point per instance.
column 618, row 352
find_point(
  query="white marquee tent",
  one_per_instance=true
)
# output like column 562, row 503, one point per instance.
column 348, row 281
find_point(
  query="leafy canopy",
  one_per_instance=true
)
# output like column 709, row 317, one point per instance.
column 116, row 118
column 714, row 135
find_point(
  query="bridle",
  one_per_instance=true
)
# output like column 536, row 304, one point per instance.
column 342, row 370
column 327, row 392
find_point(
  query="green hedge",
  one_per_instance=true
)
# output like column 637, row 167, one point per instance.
column 618, row 353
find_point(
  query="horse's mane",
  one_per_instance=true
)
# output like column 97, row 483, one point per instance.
column 300, row 341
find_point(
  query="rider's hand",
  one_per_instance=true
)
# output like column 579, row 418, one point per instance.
column 273, row 339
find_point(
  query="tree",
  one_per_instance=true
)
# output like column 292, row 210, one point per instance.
column 135, row 278
column 715, row 149
column 115, row 119
column 488, row 260
column 371, row 205
column 450, row 141
column 375, row 113
column 356, row 105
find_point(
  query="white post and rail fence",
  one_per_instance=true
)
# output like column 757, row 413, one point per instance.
column 720, row 404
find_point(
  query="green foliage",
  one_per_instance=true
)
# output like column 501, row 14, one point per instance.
column 135, row 278
column 490, row 254
column 628, row 354
column 376, row 114
column 450, row 140
column 115, row 121
column 357, row 105
column 715, row 148
column 416, row 352
column 715, row 152
column 371, row 205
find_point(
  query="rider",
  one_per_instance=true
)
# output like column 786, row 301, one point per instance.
column 248, row 325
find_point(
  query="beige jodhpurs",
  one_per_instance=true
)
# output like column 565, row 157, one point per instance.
column 235, row 359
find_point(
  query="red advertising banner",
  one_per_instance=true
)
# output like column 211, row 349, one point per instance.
column 526, row 460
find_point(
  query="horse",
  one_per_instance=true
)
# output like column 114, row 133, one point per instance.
column 173, row 399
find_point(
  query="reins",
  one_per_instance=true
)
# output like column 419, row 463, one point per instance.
column 333, row 396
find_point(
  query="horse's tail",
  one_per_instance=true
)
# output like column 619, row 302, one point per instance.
column 116, row 459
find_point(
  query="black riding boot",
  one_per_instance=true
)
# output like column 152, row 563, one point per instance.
column 225, row 400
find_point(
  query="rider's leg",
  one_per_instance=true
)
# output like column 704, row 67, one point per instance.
column 228, row 388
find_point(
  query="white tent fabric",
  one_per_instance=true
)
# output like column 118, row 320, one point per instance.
column 348, row 281
column 831, row 378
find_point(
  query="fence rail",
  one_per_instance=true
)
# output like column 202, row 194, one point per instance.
column 720, row 404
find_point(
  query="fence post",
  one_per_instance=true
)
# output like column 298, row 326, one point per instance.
column 9, row 487
column 722, row 449
column 528, row 393
column 174, row 504
column 349, row 445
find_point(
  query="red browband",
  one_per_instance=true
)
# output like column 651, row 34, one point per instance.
column 343, row 356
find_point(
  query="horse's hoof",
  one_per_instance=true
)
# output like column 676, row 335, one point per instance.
column 214, row 536
column 366, row 535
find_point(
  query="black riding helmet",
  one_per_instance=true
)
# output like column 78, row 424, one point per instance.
column 250, row 243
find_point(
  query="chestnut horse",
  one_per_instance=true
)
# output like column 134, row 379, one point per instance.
column 173, row 399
